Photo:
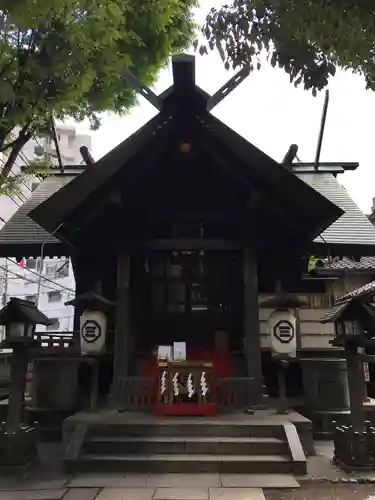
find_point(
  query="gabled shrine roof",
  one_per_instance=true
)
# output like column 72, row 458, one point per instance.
column 315, row 199
column 353, row 227
column 184, row 115
column 21, row 233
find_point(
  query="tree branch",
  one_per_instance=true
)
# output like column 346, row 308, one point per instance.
column 9, row 145
column 22, row 139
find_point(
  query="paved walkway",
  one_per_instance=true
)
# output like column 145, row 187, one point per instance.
column 324, row 492
column 193, row 491
column 47, row 482
column 145, row 487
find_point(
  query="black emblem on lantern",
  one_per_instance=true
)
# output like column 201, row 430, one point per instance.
column 91, row 331
column 284, row 331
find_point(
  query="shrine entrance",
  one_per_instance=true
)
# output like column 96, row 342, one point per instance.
column 194, row 297
column 187, row 296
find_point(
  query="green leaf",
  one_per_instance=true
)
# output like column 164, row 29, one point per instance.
column 7, row 93
column 67, row 57
column 203, row 50
column 310, row 39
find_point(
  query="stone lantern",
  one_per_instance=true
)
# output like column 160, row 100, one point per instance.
column 20, row 318
column 93, row 335
column 18, row 442
column 354, row 443
column 282, row 325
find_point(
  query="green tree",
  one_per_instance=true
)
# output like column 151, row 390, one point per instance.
column 67, row 57
column 308, row 39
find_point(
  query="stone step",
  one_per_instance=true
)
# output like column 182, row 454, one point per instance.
column 213, row 445
column 255, row 464
column 190, row 428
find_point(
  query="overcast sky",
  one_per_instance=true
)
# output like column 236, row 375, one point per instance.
column 269, row 112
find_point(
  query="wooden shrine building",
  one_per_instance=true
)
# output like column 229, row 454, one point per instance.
column 182, row 227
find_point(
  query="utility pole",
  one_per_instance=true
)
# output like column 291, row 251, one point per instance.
column 4, row 295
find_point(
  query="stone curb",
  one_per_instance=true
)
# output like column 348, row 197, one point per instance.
column 341, row 480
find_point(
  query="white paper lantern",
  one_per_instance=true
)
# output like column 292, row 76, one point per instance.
column 282, row 329
column 93, row 331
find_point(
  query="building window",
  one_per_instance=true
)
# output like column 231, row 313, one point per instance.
column 63, row 270
column 51, row 270
column 33, row 264
column 54, row 326
column 54, row 296
column 31, row 298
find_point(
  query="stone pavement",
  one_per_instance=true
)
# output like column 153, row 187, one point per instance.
column 321, row 469
column 47, row 482
column 325, row 491
column 145, row 487
column 179, row 487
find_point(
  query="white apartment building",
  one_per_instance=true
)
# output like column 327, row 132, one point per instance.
column 49, row 286
column 39, row 149
column 21, row 279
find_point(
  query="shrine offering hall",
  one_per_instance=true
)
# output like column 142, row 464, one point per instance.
column 190, row 249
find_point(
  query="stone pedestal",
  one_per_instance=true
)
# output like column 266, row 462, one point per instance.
column 326, row 393
column 55, row 384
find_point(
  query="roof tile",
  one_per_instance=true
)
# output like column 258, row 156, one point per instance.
column 353, row 227
column 21, row 229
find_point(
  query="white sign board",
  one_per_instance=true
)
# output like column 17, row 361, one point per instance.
column 93, row 326
column 164, row 353
column 282, row 330
column 179, row 351
column 366, row 371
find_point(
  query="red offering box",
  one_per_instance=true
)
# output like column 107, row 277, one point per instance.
column 192, row 409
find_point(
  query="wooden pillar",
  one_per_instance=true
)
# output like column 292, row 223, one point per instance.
column 122, row 325
column 251, row 323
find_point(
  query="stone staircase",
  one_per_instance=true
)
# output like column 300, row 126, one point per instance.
column 187, row 445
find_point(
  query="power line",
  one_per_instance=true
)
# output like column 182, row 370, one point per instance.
column 30, row 294
column 66, row 309
column 19, row 193
column 22, row 182
column 31, row 281
column 14, row 201
column 43, row 277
